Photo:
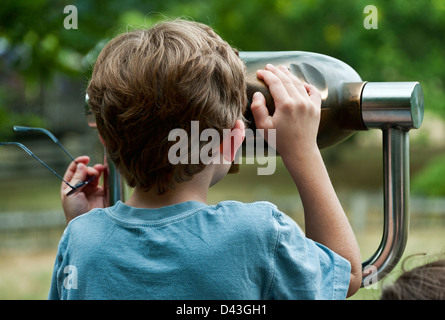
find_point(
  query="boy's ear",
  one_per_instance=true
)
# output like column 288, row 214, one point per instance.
column 232, row 142
column 102, row 140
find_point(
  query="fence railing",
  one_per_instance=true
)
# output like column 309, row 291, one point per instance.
column 359, row 207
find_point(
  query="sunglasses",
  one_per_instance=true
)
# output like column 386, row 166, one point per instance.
column 75, row 188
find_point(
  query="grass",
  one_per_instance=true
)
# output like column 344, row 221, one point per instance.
column 29, row 195
column 26, row 275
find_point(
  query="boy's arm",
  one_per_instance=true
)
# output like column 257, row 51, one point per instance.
column 296, row 120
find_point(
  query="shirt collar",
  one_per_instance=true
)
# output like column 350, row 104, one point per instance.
column 132, row 215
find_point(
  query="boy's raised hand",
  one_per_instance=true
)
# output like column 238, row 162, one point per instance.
column 88, row 197
column 297, row 110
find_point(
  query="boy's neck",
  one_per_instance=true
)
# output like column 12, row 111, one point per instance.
column 195, row 189
column 151, row 199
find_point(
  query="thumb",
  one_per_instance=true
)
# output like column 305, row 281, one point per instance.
column 260, row 112
column 80, row 175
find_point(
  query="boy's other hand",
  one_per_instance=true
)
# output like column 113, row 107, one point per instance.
column 297, row 110
column 89, row 196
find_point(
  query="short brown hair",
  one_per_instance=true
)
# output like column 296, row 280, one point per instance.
column 425, row 282
column 147, row 82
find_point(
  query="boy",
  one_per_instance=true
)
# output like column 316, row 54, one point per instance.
column 165, row 242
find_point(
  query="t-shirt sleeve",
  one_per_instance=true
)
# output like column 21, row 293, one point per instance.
column 305, row 269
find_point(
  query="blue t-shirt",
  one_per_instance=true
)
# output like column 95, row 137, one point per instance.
column 191, row 250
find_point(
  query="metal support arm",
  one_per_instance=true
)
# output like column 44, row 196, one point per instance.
column 395, row 108
column 396, row 206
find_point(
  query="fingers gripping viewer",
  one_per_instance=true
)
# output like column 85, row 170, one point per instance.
column 165, row 241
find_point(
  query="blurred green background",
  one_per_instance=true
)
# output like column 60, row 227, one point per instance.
column 44, row 70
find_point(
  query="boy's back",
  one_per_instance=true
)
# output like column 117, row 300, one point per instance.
column 165, row 242
column 194, row 251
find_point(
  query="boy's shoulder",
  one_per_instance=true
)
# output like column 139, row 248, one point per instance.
column 92, row 215
column 82, row 227
column 254, row 208
column 85, row 222
column 255, row 204
column 258, row 211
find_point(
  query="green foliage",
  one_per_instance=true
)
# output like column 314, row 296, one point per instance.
column 10, row 118
column 430, row 181
column 35, row 30
column 407, row 46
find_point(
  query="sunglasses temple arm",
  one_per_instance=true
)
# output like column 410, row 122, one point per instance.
column 49, row 134
column 64, row 150
column 40, row 161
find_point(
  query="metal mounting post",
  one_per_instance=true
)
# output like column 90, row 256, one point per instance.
column 396, row 206
column 395, row 108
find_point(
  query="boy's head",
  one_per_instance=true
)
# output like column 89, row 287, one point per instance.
column 146, row 83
